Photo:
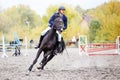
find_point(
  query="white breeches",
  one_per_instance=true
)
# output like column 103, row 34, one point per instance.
column 44, row 32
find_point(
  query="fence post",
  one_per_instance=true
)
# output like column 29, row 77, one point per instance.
column 3, row 46
column 118, row 44
column 26, row 47
column 82, row 44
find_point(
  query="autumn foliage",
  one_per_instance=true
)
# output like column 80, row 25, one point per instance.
column 104, row 22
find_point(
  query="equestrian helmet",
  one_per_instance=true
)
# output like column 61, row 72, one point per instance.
column 61, row 8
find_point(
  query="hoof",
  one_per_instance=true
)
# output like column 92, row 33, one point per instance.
column 27, row 73
column 29, row 70
column 36, row 47
column 39, row 68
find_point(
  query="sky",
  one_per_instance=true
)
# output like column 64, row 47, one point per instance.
column 40, row 6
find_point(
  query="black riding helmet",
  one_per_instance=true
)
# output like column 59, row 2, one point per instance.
column 61, row 8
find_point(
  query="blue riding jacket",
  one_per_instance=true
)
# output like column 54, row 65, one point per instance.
column 64, row 18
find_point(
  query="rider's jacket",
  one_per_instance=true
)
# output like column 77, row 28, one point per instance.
column 64, row 18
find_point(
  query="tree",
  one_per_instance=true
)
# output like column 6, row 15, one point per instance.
column 74, row 18
column 14, row 20
column 108, row 15
column 5, row 23
column 93, row 29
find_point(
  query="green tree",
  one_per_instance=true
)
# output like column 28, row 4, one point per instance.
column 93, row 29
column 14, row 20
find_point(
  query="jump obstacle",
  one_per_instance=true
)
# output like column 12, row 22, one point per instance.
column 15, row 46
column 118, row 44
column 3, row 47
column 84, row 47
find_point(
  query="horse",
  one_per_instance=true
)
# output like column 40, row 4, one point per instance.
column 49, row 44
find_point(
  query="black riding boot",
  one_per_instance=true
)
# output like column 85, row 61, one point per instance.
column 40, row 40
column 59, row 45
column 59, row 48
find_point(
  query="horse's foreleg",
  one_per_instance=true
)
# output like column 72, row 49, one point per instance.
column 48, row 59
column 44, row 59
column 37, row 56
column 46, row 54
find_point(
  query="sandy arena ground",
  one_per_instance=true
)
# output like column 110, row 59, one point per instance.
column 61, row 67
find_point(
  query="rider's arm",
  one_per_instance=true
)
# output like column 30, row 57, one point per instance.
column 65, row 22
column 51, row 20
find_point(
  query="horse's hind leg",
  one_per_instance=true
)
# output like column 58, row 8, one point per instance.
column 34, row 62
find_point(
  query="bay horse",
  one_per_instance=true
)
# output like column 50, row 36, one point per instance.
column 49, row 44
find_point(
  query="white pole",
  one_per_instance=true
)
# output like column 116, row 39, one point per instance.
column 26, row 47
column 3, row 44
column 118, row 44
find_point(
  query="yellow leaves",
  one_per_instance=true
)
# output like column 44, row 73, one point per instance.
column 74, row 19
column 14, row 20
column 109, row 16
column 113, row 7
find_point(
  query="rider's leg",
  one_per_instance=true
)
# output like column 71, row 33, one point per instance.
column 42, row 36
column 59, row 39
column 40, row 40
column 59, row 46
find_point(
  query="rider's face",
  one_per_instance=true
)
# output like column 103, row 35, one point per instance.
column 62, row 11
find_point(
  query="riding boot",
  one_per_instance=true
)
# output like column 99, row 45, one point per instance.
column 40, row 40
column 59, row 47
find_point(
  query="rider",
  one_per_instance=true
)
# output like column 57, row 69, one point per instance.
column 61, row 11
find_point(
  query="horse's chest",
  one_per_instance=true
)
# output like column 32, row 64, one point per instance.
column 50, row 44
